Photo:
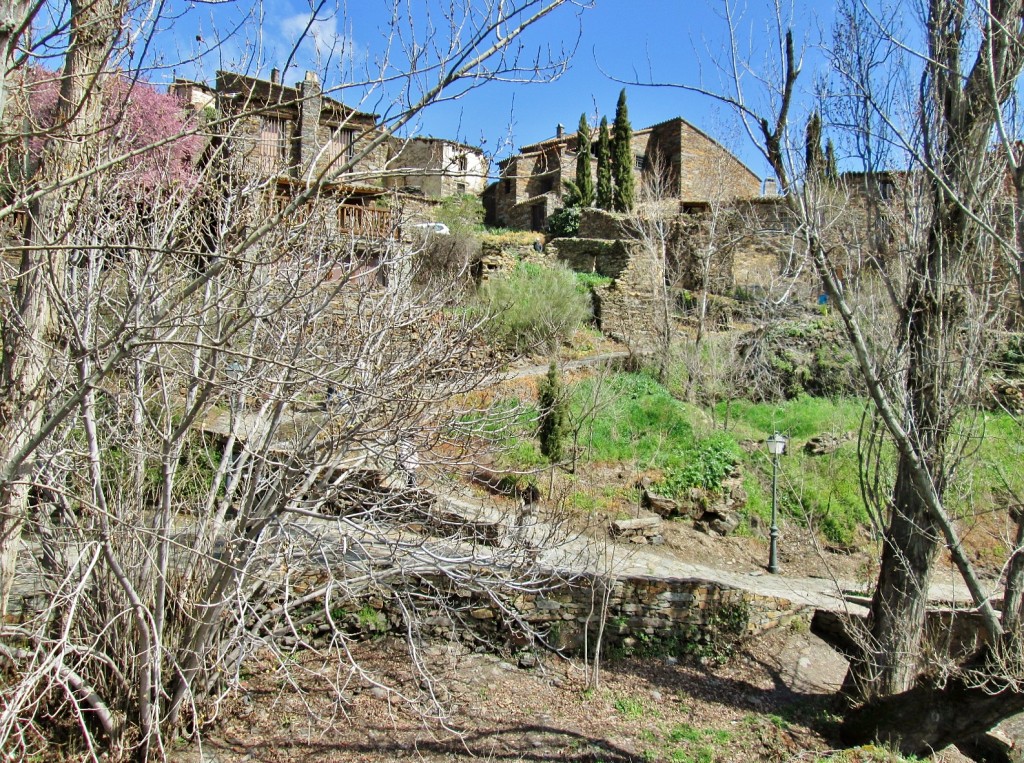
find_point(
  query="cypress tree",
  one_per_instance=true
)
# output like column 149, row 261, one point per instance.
column 622, row 161
column 584, row 182
column 813, row 157
column 831, row 167
column 553, row 415
column 604, row 167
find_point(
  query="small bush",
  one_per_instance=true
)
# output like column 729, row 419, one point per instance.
column 371, row 621
column 462, row 213
column 446, row 258
column 564, row 223
column 704, row 466
column 534, row 307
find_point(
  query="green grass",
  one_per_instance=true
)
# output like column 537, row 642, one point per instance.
column 685, row 743
column 684, row 732
column 640, row 424
column 637, row 421
column 800, row 418
column 629, row 707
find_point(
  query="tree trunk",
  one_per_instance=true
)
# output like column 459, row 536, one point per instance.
column 22, row 390
column 28, row 335
column 925, row 719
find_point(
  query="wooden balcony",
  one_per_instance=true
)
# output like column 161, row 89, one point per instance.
column 367, row 222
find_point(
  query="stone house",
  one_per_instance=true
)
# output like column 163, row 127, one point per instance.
column 435, row 167
column 297, row 134
column 696, row 168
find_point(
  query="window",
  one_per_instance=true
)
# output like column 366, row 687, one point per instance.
column 639, row 162
column 272, row 144
column 460, row 188
column 508, row 186
column 462, row 163
column 342, row 145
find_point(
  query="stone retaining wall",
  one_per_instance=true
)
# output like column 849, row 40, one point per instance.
column 669, row 616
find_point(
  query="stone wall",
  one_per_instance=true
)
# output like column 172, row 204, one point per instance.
column 523, row 216
column 680, row 616
column 597, row 223
column 632, row 309
column 609, row 258
column 502, row 257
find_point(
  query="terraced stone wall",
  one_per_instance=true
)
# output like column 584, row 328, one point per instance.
column 638, row 614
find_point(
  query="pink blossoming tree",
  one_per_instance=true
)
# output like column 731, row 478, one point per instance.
column 149, row 136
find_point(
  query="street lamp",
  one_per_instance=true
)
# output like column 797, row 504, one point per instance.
column 776, row 446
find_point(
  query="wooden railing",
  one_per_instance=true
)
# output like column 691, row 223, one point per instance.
column 366, row 222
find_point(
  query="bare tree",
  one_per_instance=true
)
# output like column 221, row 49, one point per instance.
column 211, row 395
column 946, row 291
column 690, row 251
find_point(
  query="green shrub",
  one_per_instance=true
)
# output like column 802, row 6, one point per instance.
column 703, row 466
column 462, row 213
column 564, row 223
column 534, row 307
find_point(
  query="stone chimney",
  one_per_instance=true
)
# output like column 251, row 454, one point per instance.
column 560, row 130
column 771, row 187
column 310, row 104
column 275, row 76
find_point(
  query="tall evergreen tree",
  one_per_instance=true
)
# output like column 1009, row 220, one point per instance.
column 831, row 166
column 813, row 156
column 622, row 161
column 554, row 415
column 604, row 167
column 584, row 182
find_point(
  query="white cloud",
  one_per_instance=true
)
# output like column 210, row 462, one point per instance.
column 318, row 37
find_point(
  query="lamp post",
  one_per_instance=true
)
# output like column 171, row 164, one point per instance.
column 776, row 446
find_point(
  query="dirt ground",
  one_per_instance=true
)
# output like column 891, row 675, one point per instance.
column 771, row 702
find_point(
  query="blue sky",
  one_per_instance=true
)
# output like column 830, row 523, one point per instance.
column 661, row 40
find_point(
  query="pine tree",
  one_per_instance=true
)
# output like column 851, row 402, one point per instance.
column 584, row 182
column 554, row 418
column 622, row 161
column 604, row 167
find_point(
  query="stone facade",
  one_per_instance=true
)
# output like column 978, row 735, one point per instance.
column 297, row 132
column 436, row 168
column 698, row 168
